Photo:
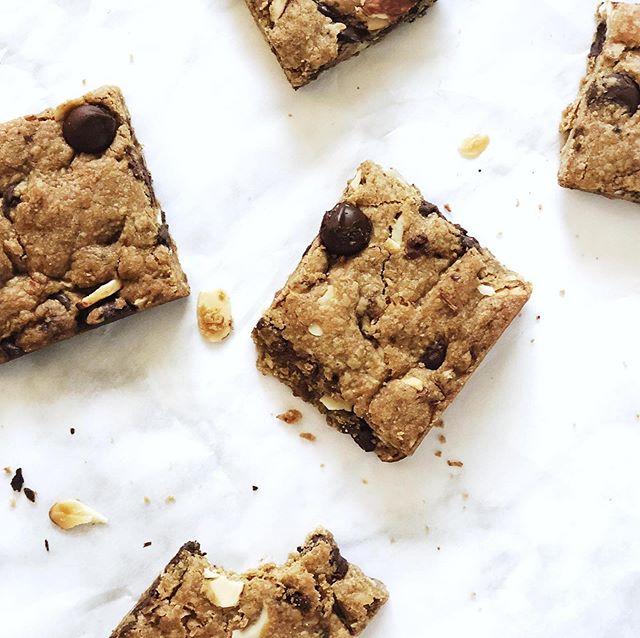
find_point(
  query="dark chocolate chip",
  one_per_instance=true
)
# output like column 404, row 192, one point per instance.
column 17, row 481
column 11, row 349
column 329, row 12
column 254, row 488
column 89, row 128
column 435, row 354
column 417, row 247
column 467, row 242
column 341, row 613
column 598, row 41
column 361, row 433
column 340, row 565
column 345, row 230
column 622, row 89
column 30, row 494
column 9, row 200
column 163, row 238
column 427, row 208
column 298, row 600
column 63, row 299
column 146, row 544
column 352, row 35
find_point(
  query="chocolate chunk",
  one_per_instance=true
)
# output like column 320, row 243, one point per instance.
column 352, row 35
column 345, row 230
column 341, row 613
column 467, row 242
column 340, row 565
column 9, row 200
column 417, row 246
column 298, row 600
column 163, row 238
column 427, row 208
column 11, row 349
column 89, row 128
column 435, row 354
column 598, row 41
column 622, row 89
column 17, row 481
column 361, row 433
column 30, row 494
column 330, row 12
column 63, row 299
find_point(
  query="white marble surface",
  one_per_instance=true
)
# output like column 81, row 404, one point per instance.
column 537, row 535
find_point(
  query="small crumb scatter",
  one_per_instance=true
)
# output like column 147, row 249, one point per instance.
column 451, row 463
column 12, row 502
column 308, row 436
column 532, row 340
column 439, row 424
column 8, row 470
column 214, row 315
column 447, row 207
column 72, row 430
column 322, row 464
column 147, row 544
column 438, row 547
column 392, row 540
column 537, row 317
column 170, row 499
column 473, row 146
column 563, row 292
column 30, row 494
column 17, row 481
column 365, row 482
column 465, row 495
column 46, row 544
column 254, row 488
column 438, row 453
column 442, row 438
column 146, row 500
column 290, row 416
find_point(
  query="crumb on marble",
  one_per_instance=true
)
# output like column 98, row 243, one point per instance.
column 170, row 499
column 517, row 203
column 465, row 495
column 8, row 470
column 130, row 58
column 254, row 488
column 439, row 423
column 365, row 482
column 392, row 540
column 17, row 482
column 474, row 596
column 30, row 494
column 290, row 416
column 308, row 436
column 438, row 453
column 447, row 207
column 147, row 544
column 12, row 502
column 563, row 292
column 442, row 438
column 46, row 544
column 322, row 464
column 540, row 206
column 72, row 430
column 146, row 500
column 451, row 463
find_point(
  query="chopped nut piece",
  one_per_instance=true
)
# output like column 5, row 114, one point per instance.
column 290, row 416
column 276, row 9
column 221, row 590
column 170, row 500
column 106, row 290
column 455, row 463
column 256, row 630
column 329, row 294
column 335, row 403
column 485, row 290
column 71, row 513
column 473, row 146
column 8, row 470
column 214, row 315
column 147, row 500
column 414, row 382
column 307, row 436
column 315, row 330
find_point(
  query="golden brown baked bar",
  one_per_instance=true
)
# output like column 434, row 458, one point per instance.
column 309, row 36
column 83, row 240
column 601, row 152
column 315, row 594
column 387, row 315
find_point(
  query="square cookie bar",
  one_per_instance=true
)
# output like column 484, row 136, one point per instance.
column 83, row 240
column 601, row 151
column 309, row 36
column 316, row 594
column 387, row 315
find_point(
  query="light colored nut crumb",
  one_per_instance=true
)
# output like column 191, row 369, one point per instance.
column 451, row 463
column 256, row 630
column 12, row 502
column 335, row 403
column 220, row 590
column 71, row 513
column 308, row 436
column 290, row 416
column 438, row 453
column 377, row 21
column 328, row 295
column 214, row 315
column 394, row 243
column 486, row 290
column 474, row 146
column 357, row 179
column 442, row 438
column 8, row 470
column 315, row 330
column 170, row 500
column 414, row 383
column 147, row 500
column 276, row 9
column 104, row 291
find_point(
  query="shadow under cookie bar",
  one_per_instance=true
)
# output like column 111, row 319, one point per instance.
column 382, row 337
column 83, row 240
column 310, row 36
column 316, row 593
column 601, row 129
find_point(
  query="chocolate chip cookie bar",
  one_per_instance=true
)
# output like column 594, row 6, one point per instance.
column 387, row 315
column 309, row 36
column 316, row 594
column 601, row 151
column 83, row 240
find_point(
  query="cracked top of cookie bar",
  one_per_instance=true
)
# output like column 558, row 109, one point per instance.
column 316, row 593
column 83, row 240
column 390, row 310
column 601, row 152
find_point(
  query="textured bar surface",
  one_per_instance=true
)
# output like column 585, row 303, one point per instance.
column 316, row 594
column 83, row 240
column 383, row 340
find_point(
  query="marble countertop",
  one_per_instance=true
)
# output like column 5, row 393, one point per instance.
column 536, row 536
